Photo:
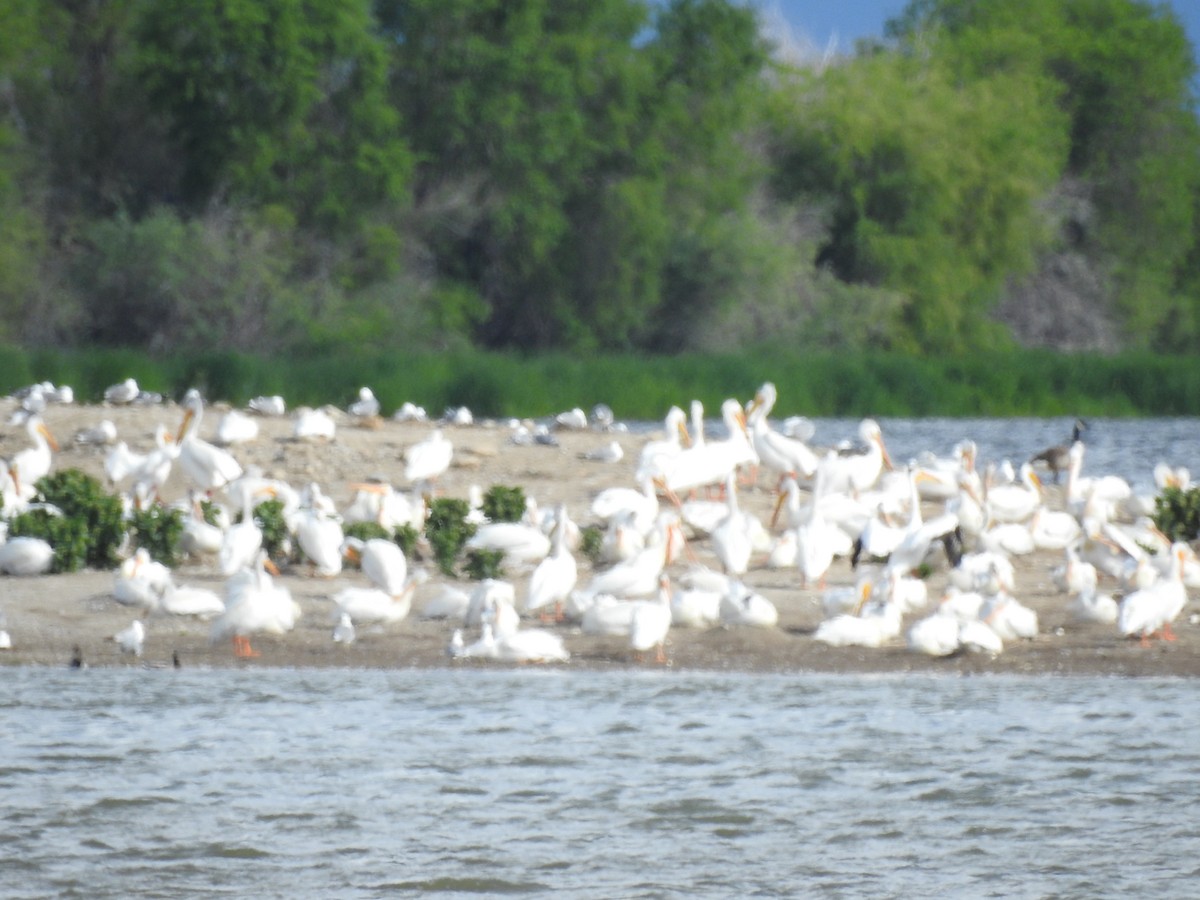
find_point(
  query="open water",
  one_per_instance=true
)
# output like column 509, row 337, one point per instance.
column 284, row 783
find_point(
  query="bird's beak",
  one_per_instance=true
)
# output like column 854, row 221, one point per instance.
column 684, row 437
column 778, row 507
column 270, row 566
column 864, row 594
column 183, row 426
column 49, row 437
column 887, row 458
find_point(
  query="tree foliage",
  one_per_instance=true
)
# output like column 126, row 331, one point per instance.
column 609, row 174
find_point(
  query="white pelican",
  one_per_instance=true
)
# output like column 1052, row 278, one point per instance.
column 642, row 506
column 1103, row 495
column 1151, row 610
column 254, row 604
column 385, row 506
column 372, row 605
column 531, row 645
column 272, row 405
column 874, row 626
column 1074, row 576
column 781, row 454
column 236, row 427
column 207, row 467
column 1009, row 618
column 199, row 538
column 242, row 541
column 425, row 461
column 313, row 425
column 935, row 635
column 740, row 606
column 657, row 455
column 121, row 394
column 141, row 582
column 382, row 561
column 712, row 462
column 484, row 648
column 650, row 623
column 815, row 540
column 554, row 578
column 607, row 615
column 1014, row 502
column 852, row 472
column 638, row 576
column 622, row 540
column 147, row 471
column 694, row 607
column 733, row 538
column 1054, row 529
column 985, row 572
column 1093, row 606
column 26, row 556
column 131, row 639
column 979, row 637
column 320, row 536
column 190, row 601
column 446, row 602
column 521, row 544
column 487, row 594
column 366, row 406
column 1012, row 538
column 32, row 463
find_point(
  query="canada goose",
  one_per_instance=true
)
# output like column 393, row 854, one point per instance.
column 1058, row 457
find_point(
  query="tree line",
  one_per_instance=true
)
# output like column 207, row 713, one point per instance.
column 585, row 175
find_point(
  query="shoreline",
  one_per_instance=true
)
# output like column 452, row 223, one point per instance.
column 48, row 615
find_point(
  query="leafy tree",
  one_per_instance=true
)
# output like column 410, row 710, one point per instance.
column 929, row 185
column 276, row 101
column 1123, row 73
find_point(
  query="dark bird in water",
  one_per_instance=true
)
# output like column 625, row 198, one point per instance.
column 76, row 657
column 1058, row 457
column 175, row 659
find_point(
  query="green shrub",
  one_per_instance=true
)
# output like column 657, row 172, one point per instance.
column 408, row 538
column 448, row 530
column 90, row 530
column 483, row 564
column 365, row 531
column 591, row 539
column 157, row 530
column 504, row 504
column 277, row 539
column 1177, row 513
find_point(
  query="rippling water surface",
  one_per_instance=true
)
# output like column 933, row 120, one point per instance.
column 532, row 783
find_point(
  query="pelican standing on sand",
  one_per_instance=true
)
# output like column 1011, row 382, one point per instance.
column 852, row 472
column 208, row 467
column 427, row 460
column 555, row 576
column 254, row 604
column 32, row 463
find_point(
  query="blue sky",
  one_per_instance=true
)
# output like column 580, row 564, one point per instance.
column 836, row 24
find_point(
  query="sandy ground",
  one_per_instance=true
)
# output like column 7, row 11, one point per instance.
column 48, row 616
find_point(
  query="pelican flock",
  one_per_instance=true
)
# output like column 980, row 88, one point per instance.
column 918, row 558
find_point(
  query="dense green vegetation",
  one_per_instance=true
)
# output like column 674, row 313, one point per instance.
column 307, row 176
column 993, row 383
